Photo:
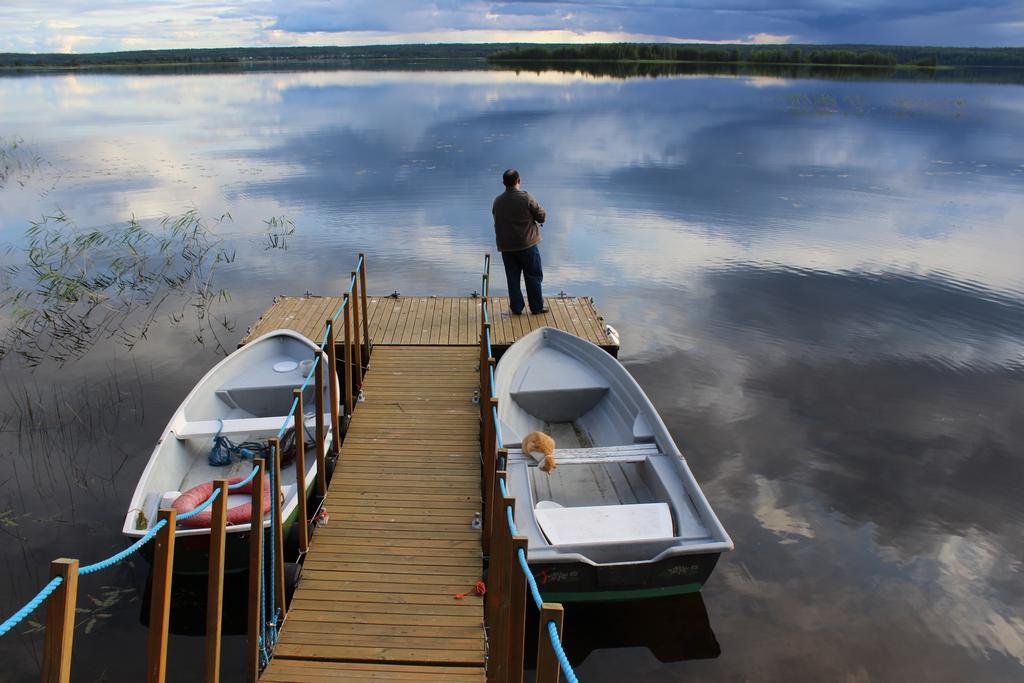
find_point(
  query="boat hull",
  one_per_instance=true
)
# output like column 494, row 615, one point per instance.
column 583, row 582
column 622, row 517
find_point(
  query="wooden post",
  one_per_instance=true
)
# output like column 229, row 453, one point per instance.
column 357, row 355
column 301, row 515
column 503, row 538
column 487, row 271
column 160, row 597
column 548, row 670
column 492, row 409
column 482, row 363
column 496, row 582
column 504, row 611
column 60, row 622
column 484, row 382
column 348, row 355
column 215, row 581
column 321, row 449
column 255, row 621
column 490, row 467
column 332, row 382
column 277, row 523
column 366, row 311
column 494, row 495
column 517, row 612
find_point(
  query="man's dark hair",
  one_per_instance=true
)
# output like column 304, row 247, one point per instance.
column 510, row 178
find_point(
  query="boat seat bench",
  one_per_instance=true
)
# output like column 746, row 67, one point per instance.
column 627, row 453
column 197, row 429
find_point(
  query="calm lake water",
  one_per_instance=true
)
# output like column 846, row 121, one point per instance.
column 819, row 284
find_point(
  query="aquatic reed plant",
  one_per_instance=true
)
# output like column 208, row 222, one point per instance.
column 71, row 287
column 17, row 162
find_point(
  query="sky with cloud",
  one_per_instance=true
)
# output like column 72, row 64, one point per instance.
column 107, row 25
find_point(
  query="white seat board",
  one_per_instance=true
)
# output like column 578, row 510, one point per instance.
column 605, row 523
column 196, row 429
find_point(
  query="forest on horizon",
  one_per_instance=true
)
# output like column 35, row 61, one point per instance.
column 862, row 55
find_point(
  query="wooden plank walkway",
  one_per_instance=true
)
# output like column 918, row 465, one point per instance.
column 376, row 600
column 444, row 321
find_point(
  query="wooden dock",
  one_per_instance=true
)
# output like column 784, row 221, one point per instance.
column 391, row 587
column 437, row 321
column 377, row 598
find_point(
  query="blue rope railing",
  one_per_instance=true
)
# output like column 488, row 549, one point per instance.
column 266, row 640
column 117, row 557
column 240, row 484
column 31, row 605
column 556, row 643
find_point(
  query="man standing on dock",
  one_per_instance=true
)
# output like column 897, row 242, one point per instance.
column 517, row 220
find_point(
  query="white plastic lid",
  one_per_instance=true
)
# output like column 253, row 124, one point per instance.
column 285, row 366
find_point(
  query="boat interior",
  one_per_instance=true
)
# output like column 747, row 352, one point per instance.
column 245, row 400
column 614, row 482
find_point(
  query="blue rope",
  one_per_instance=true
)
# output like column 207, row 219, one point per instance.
column 31, row 606
column 312, row 369
column 196, row 510
column 535, row 592
column 220, row 454
column 563, row 661
column 114, row 559
column 338, row 312
column 232, row 486
column 497, row 427
column 490, row 351
column 529, row 579
column 291, row 411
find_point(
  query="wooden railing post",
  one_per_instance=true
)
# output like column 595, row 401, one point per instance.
column 517, row 612
column 357, row 351
column 366, row 311
column 321, row 448
column 483, row 366
column 490, row 467
column 346, row 323
column 487, row 272
column 278, row 525
column 160, row 597
column 548, row 669
column 497, row 583
column 505, row 605
column 484, row 374
column 332, row 382
column 302, row 515
column 255, row 622
column 494, row 513
column 60, row 622
column 215, row 581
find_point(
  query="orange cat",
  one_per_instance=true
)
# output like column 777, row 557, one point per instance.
column 542, row 448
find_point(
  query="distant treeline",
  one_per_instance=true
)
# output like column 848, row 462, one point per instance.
column 244, row 55
column 861, row 55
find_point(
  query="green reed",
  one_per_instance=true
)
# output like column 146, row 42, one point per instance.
column 72, row 288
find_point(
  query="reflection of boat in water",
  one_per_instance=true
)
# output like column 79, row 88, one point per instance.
column 622, row 516
column 244, row 399
column 674, row 629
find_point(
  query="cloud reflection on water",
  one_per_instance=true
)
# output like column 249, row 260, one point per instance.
column 825, row 303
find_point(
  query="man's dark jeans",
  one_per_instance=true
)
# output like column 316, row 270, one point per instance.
column 527, row 263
